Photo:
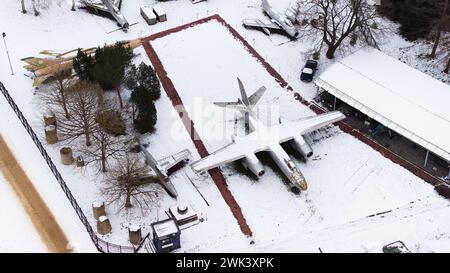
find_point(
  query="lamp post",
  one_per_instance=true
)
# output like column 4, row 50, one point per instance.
column 7, row 53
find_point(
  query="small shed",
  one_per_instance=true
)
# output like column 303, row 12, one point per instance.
column 160, row 13
column 166, row 235
column 148, row 15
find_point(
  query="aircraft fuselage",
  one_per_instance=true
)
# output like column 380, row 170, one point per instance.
column 261, row 132
column 281, row 20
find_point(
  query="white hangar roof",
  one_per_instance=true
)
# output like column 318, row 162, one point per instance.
column 395, row 94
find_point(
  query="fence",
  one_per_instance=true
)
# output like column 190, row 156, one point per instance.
column 102, row 245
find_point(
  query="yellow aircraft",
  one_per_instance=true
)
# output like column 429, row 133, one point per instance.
column 44, row 68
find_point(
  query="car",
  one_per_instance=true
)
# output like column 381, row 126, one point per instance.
column 308, row 71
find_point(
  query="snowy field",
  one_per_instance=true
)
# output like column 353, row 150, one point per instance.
column 17, row 231
column 348, row 180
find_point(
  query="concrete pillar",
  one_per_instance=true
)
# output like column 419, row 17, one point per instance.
column 103, row 225
column 51, row 135
column 49, row 119
column 135, row 234
column 66, row 155
column 98, row 209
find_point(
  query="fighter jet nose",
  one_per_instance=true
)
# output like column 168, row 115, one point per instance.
column 304, row 186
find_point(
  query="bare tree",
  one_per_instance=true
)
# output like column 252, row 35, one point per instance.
column 332, row 22
column 22, row 2
column 73, row 5
column 123, row 185
column 55, row 95
column 104, row 148
column 83, row 105
column 441, row 25
column 36, row 12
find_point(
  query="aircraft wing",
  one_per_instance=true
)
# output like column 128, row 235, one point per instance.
column 261, row 23
column 232, row 152
column 289, row 129
column 164, row 164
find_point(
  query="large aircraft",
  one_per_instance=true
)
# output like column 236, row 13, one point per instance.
column 278, row 21
column 269, row 139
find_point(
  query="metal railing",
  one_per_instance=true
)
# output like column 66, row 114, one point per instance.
column 101, row 245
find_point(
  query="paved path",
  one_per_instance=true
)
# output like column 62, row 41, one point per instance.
column 40, row 215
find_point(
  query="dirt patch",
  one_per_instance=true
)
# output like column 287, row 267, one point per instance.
column 40, row 215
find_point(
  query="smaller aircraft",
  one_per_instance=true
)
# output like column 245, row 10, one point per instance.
column 277, row 22
column 161, row 168
column 111, row 7
column 44, row 68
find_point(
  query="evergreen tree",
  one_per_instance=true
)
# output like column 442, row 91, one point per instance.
column 146, row 118
column 417, row 18
column 144, row 76
column 140, row 97
column 83, row 65
column 146, row 89
column 147, row 78
column 110, row 65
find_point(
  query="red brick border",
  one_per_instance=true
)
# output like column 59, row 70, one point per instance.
column 215, row 173
column 171, row 91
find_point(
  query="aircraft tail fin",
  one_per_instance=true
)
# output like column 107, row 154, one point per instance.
column 255, row 97
column 247, row 103
column 243, row 93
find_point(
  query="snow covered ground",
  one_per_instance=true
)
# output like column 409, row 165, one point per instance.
column 17, row 231
column 348, row 181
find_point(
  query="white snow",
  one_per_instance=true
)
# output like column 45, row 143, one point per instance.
column 307, row 70
column 348, row 180
column 97, row 204
column 17, row 233
column 405, row 99
column 159, row 10
column 134, row 227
